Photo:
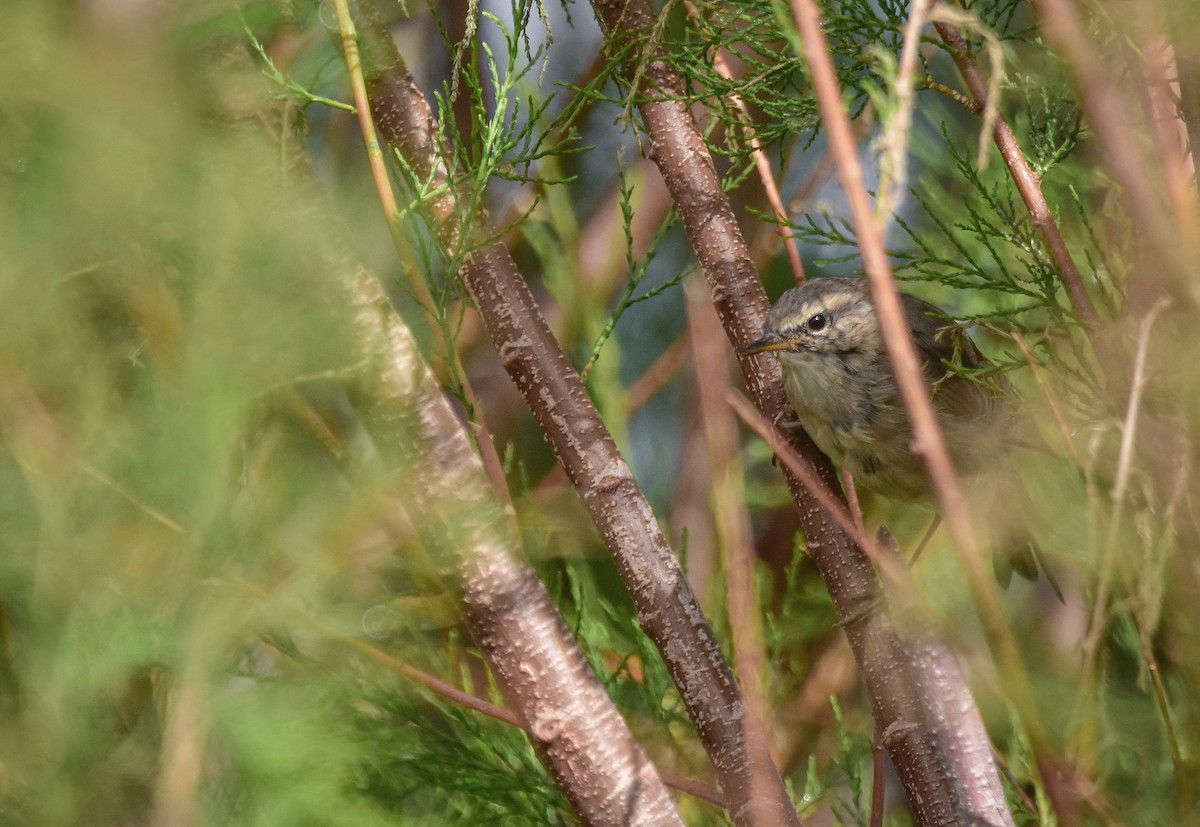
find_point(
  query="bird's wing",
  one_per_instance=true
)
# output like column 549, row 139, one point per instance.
column 942, row 343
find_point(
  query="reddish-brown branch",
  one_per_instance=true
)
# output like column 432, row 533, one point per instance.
column 820, row 490
column 929, row 442
column 1023, row 176
column 572, row 722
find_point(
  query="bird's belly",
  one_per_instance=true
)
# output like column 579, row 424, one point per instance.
column 865, row 434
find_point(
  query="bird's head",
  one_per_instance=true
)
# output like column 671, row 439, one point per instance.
column 831, row 315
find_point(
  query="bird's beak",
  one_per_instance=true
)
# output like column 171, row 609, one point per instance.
column 769, row 342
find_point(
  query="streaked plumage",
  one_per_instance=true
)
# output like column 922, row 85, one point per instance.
column 839, row 380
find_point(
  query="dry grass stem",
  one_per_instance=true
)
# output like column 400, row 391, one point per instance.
column 728, row 501
column 891, row 567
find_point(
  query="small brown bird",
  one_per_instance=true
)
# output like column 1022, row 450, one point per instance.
column 839, row 379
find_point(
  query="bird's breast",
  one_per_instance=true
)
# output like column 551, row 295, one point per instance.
column 853, row 413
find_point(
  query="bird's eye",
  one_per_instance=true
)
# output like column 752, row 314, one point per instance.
column 817, row 322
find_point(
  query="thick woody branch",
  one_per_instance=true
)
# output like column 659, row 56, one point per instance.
column 554, row 392
column 945, row 784
column 450, row 692
column 570, row 718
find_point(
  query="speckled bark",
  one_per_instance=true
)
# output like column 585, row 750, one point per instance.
column 545, row 677
column 533, row 358
column 930, row 724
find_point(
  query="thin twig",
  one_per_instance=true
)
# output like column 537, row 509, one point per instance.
column 383, row 184
column 1091, row 641
column 150, row 510
column 929, row 442
column 954, row 95
column 1178, row 762
column 1023, row 176
column 731, row 518
column 379, row 173
column 1170, row 140
column 878, row 778
column 791, row 458
column 507, row 716
column 391, row 212
column 1132, row 413
column 185, row 740
column 816, row 179
column 1029, row 803
column 1060, row 418
column 893, row 165
column 765, row 174
column 661, row 371
column 852, row 499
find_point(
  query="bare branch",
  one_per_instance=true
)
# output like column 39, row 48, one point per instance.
column 536, row 362
column 929, row 441
column 499, row 713
column 730, row 515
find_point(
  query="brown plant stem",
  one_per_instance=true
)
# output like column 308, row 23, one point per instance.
column 928, row 442
column 556, row 395
column 878, row 778
column 379, row 173
column 731, row 518
column 571, row 721
column 821, row 491
column 658, row 375
column 1028, row 184
column 1108, row 562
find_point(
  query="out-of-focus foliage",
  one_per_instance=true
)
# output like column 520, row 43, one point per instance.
column 193, row 496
